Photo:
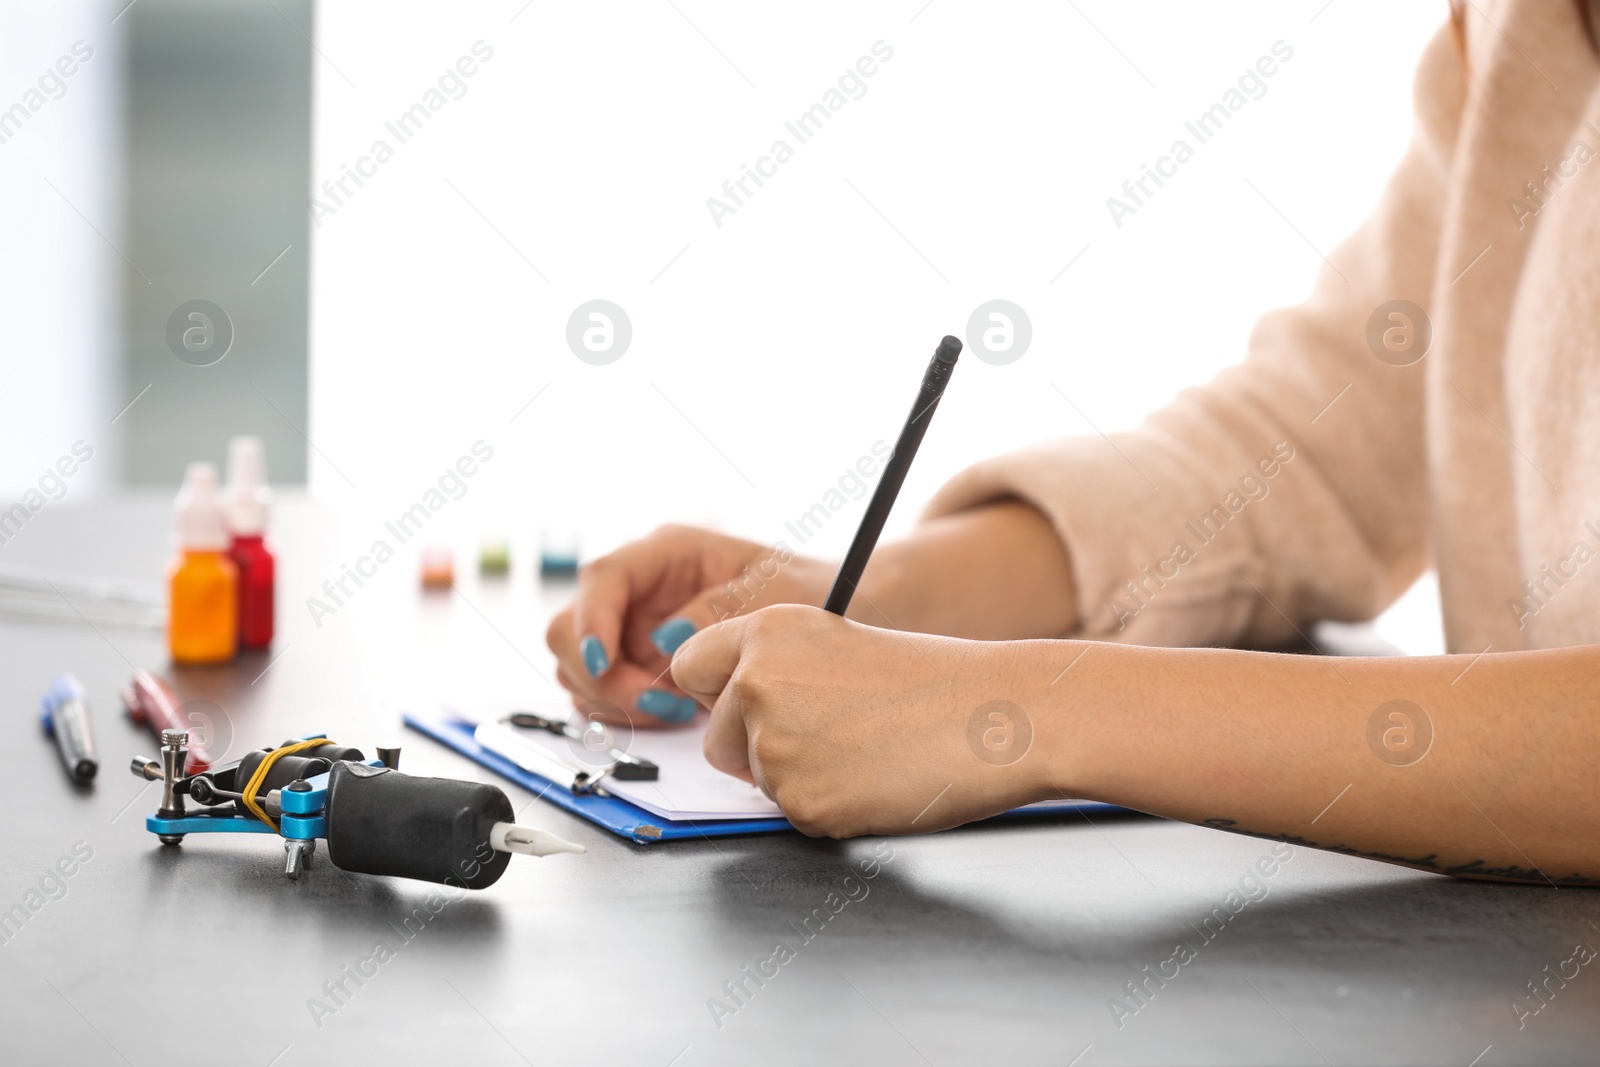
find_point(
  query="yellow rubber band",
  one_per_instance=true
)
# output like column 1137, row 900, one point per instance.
column 249, row 792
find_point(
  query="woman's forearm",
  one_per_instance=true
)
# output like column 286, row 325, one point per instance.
column 993, row 573
column 1480, row 769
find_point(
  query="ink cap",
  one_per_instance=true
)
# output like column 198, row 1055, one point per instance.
column 199, row 510
column 247, row 498
column 558, row 553
column 63, row 689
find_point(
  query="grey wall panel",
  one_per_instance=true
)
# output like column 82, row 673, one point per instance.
column 218, row 143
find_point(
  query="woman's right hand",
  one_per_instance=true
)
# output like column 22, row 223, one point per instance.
column 635, row 606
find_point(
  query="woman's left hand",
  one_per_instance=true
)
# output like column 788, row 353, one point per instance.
column 856, row 730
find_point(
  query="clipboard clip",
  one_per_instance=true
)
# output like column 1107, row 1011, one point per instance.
column 578, row 777
column 623, row 766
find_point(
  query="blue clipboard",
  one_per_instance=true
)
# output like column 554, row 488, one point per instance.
column 618, row 816
column 628, row 820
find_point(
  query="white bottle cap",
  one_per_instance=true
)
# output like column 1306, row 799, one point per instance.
column 247, row 497
column 200, row 511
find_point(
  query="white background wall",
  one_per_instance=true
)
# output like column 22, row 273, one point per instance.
column 770, row 353
column 793, row 336
column 59, row 278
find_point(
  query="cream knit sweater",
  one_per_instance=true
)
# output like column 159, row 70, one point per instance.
column 1321, row 476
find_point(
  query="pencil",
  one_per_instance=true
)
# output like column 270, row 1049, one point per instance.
column 894, row 475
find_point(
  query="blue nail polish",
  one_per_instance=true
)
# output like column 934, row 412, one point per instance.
column 594, row 655
column 688, row 708
column 668, row 707
column 672, row 633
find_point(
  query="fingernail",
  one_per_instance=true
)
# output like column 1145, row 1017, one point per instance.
column 594, row 656
column 672, row 633
column 668, row 707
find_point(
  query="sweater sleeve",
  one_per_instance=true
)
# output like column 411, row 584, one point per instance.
column 1293, row 486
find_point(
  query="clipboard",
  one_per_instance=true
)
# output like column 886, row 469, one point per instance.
column 630, row 821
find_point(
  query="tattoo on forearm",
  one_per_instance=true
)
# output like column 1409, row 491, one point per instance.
column 1477, row 868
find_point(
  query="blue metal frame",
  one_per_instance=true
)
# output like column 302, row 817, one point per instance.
column 303, row 815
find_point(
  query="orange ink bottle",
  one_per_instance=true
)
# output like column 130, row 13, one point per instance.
column 202, row 582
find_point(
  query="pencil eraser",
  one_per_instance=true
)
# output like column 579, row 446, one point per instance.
column 949, row 349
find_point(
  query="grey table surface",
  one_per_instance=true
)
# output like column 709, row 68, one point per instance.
column 990, row 945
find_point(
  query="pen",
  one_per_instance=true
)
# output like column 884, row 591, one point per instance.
column 65, row 715
column 894, row 474
column 151, row 702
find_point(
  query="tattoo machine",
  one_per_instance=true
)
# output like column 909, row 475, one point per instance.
column 375, row 819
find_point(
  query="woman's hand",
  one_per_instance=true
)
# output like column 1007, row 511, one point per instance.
column 854, row 730
column 634, row 607
column 994, row 573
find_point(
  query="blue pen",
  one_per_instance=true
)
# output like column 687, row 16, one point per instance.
column 65, row 714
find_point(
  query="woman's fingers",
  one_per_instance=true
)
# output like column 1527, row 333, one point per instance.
column 639, row 579
column 604, row 588
column 705, row 663
column 761, row 581
column 638, row 605
column 705, row 610
column 562, row 638
column 727, row 744
column 703, row 667
column 629, row 694
column 642, row 694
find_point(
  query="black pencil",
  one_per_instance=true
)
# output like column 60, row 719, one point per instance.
column 894, row 475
